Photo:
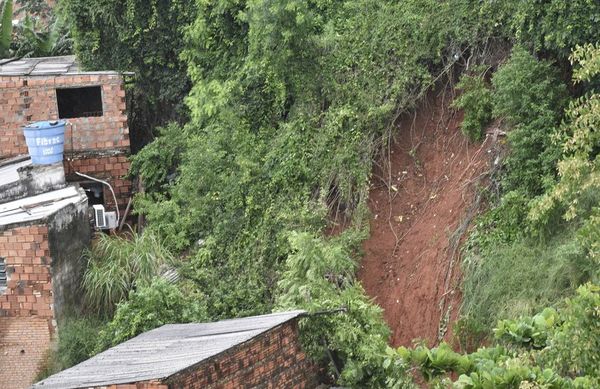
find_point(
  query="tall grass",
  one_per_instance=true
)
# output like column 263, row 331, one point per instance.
column 117, row 264
column 521, row 278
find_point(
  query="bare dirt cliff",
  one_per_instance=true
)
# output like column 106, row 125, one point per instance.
column 423, row 197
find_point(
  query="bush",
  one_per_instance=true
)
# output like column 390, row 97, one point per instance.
column 77, row 339
column 149, row 307
column 529, row 96
column 319, row 276
column 476, row 102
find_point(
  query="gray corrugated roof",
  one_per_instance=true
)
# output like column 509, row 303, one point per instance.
column 43, row 66
column 162, row 352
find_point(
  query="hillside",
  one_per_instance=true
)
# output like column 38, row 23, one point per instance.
column 400, row 170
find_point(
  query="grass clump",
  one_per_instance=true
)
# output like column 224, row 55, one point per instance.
column 521, row 277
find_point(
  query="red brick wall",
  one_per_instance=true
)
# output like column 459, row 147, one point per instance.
column 112, row 168
column 97, row 146
column 272, row 360
column 138, row 385
column 24, row 342
column 25, row 99
column 26, row 319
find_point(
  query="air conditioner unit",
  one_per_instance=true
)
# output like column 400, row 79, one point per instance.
column 99, row 216
column 111, row 220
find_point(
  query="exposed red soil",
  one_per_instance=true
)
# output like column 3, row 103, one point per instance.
column 421, row 200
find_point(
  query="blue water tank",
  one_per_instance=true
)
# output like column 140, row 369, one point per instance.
column 45, row 141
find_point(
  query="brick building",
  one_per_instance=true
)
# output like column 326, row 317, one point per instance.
column 92, row 103
column 44, row 227
column 259, row 351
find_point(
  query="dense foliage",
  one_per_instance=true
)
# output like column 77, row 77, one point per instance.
column 549, row 350
column 39, row 32
column 150, row 306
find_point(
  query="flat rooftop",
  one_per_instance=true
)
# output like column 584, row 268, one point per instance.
column 9, row 169
column 163, row 352
column 45, row 66
column 39, row 207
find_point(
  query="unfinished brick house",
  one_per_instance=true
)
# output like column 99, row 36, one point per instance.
column 92, row 103
column 259, row 351
column 44, row 227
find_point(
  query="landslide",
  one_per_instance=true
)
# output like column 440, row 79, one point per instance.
column 423, row 198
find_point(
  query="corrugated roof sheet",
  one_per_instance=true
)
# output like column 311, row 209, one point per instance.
column 43, row 66
column 162, row 352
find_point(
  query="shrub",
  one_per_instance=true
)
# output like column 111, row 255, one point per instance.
column 476, row 102
column 77, row 337
column 149, row 307
column 529, row 96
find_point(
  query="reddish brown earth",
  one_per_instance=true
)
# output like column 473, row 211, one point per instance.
column 422, row 197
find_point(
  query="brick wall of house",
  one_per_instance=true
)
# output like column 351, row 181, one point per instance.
column 271, row 360
column 25, row 99
column 137, row 385
column 97, row 146
column 110, row 167
column 24, row 342
column 26, row 318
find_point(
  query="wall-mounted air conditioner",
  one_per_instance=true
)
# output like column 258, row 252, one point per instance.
column 99, row 216
column 104, row 220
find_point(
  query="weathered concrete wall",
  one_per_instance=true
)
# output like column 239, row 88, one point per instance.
column 24, row 99
column 44, row 272
column 69, row 234
column 33, row 180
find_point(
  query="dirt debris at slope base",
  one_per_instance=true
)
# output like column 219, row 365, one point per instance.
column 422, row 198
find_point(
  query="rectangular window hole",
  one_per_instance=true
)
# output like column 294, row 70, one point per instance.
column 79, row 102
column 94, row 192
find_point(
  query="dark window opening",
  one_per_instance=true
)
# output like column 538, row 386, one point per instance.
column 79, row 102
column 94, row 192
column 3, row 280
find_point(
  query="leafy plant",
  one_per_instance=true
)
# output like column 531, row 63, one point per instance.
column 528, row 333
column 579, row 169
column 319, row 277
column 553, row 349
column 150, row 306
column 41, row 38
column 529, row 95
column 476, row 102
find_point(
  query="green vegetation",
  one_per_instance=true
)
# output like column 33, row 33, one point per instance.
column 148, row 307
column 117, row 265
column 6, row 11
column 286, row 105
column 548, row 350
column 476, row 102
column 40, row 33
